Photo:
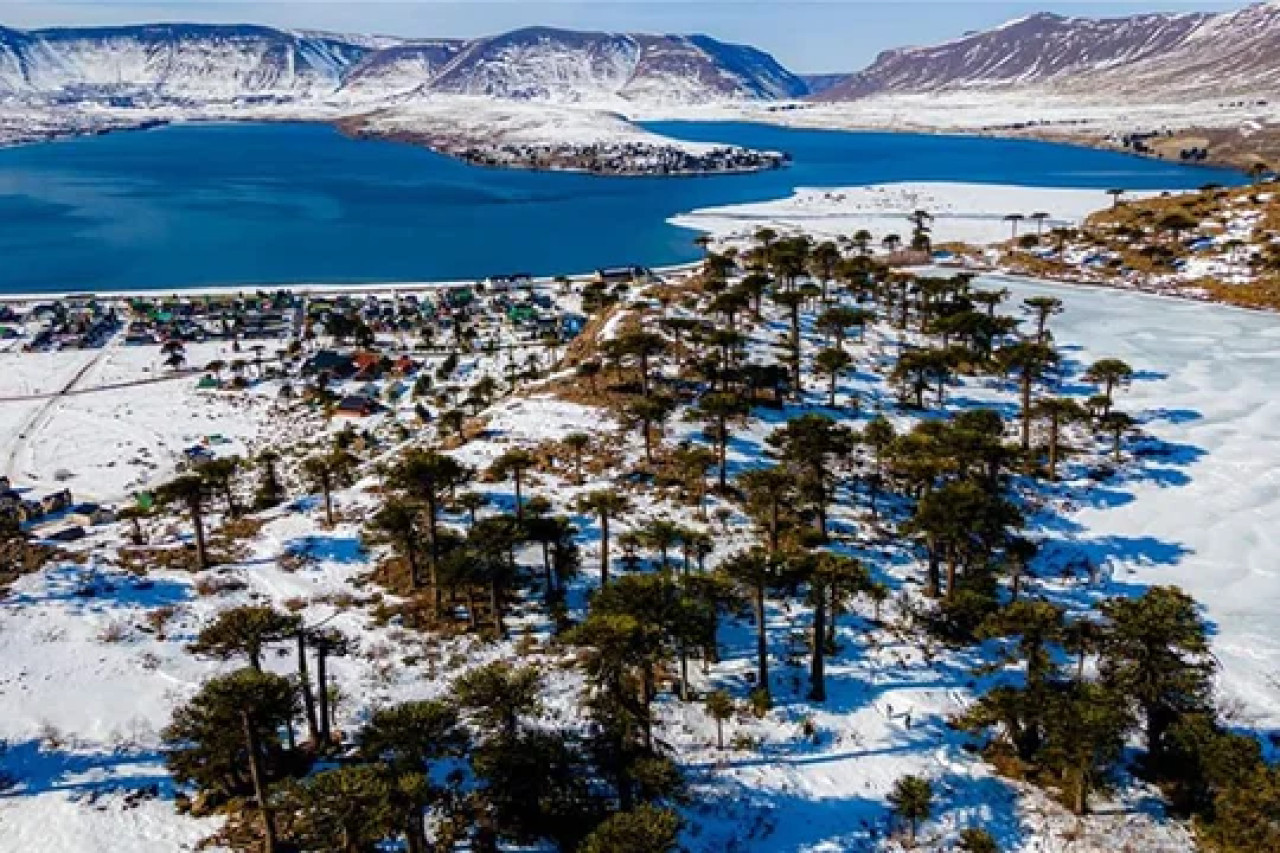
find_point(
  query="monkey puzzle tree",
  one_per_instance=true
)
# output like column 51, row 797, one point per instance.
column 327, row 472
column 1109, row 374
column 426, row 477
column 810, row 445
column 226, row 739
column 1057, row 412
column 1030, row 362
column 605, row 505
column 189, row 491
column 244, row 631
column 718, row 411
column 754, row 573
column 514, row 463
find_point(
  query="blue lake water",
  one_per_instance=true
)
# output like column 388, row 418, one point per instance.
column 193, row 205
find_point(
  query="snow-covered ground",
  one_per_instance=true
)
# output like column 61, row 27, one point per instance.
column 108, row 422
column 84, row 672
column 970, row 213
column 1206, row 518
column 485, row 120
column 988, row 110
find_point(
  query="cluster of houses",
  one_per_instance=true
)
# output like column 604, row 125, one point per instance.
column 262, row 316
column 73, row 323
column 53, row 510
column 531, row 314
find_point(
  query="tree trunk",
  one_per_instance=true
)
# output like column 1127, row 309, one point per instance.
column 1053, row 449
column 322, row 675
column 604, row 549
column 328, row 503
column 951, row 573
column 308, row 695
column 437, row 597
column 495, row 608
column 817, row 669
column 259, row 782
column 517, row 476
column 933, row 580
column 1026, row 412
column 646, row 695
column 414, row 834
column 723, row 448
column 762, row 641
column 197, row 524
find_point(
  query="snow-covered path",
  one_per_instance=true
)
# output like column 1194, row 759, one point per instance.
column 1209, row 389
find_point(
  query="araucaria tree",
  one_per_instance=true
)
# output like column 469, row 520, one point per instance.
column 190, row 491
column 226, row 740
column 606, row 505
column 810, row 445
column 1031, row 363
column 425, row 478
column 328, row 472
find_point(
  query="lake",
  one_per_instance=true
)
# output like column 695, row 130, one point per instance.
column 199, row 205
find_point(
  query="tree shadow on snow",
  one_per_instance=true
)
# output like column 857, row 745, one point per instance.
column 89, row 588
column 37, row 769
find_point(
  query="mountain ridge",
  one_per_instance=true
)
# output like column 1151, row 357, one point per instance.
column 221, row 62
column 1148, row 56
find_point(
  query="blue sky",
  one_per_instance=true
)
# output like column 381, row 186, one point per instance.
column 808, row 36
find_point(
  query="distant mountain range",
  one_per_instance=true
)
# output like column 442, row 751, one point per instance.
column 1147, row 57
column 187, row 62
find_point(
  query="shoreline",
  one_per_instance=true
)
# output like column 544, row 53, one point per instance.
column 317, row 288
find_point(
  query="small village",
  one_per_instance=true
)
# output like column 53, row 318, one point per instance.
column 367, row 356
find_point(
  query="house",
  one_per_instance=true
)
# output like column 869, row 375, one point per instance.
column 624, row 275
column 356, row 406
column 368, row 365
column 29, row 511
column 67, row 534
column 327, row 361
column 56, row 502
column 90, row 515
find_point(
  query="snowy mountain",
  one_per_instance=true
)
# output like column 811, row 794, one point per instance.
column 195, row 63
column 1147, row 56
column 172, row 61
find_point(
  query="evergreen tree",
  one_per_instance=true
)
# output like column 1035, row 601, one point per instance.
column 514, row 463
column 721, row 707
column 978, row 840
column 606, row 505
column 810, row 445
column 718, row 411
column 344, row 810
column 1156, row 653
column 754, row 573
column 499, row 695
column 226, row 739
column 270, row 492
column 644, row 829
column 189, row 491
column 426, row 477
column 912, row 801
column 409, row 741
column 244, row 631
column 327, row 472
